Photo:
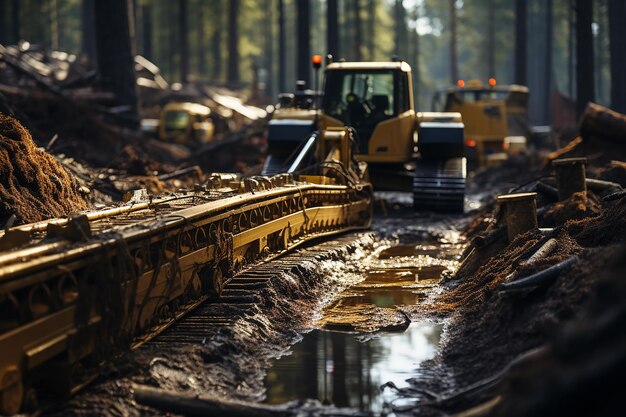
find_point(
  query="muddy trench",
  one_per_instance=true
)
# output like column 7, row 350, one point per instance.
column 331, row 323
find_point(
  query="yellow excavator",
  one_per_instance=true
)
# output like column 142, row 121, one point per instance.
column 495, row 116
column 186, row 123
column 404, row 150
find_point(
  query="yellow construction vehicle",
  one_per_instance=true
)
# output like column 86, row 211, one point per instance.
column 495, row 117
column 74, row 290
column 422, row 152
column 186, row 123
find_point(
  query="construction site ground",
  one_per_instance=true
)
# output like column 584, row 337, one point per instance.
column 377, row 323
column 426, row 314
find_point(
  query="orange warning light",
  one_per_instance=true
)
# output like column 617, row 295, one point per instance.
column 492, row 82
column 460, row 83
column 316, row 60
column 470, row 142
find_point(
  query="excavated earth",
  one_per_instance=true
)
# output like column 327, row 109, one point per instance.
column 416, row 317
column 333, row 316
column 350, row 287
column 33, row 185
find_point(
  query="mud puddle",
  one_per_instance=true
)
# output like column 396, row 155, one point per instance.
column 348, row 369
column 363, row 339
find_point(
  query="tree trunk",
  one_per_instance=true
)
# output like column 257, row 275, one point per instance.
column 548, row 58
column 400, row 31
column 138, row 19
column 15, row 17
column 454, row 66
column 54, row 24
column 520, row 42
column 146, row 20
column 5, row 12
column 570, row 48
column 218, row 12
column 603, row 123
column 201, row 52
column 584, row 54
column 114, row 42
column 346, row 40
column 416, row 61
column 282, row 48
column 304, row 42
column 617, row 37
column 88, row 32
column 491, row 41
column 269, row 49
column 358, row 32
column 332, row 28
column 183, row 30
column 174, row 44
column 371, row 29
column 233, row 43
column 9, row 22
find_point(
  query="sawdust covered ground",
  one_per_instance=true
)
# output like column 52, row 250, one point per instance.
column 33, row 186
column 490, row 328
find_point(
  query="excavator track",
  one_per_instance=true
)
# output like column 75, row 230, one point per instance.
column 75, row 291
column 439, row 185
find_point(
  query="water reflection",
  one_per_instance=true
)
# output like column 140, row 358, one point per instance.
column 347, row 369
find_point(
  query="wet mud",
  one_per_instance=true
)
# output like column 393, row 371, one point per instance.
column 366, row 280
column 229, row 357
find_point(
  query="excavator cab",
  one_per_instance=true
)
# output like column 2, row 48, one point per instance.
column 374, row 98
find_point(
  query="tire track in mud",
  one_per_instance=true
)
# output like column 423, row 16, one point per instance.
column 223, row 348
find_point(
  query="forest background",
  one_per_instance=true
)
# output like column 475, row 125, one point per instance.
column 244, row 43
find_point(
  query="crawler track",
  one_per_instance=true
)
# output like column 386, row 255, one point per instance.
column 78, row 289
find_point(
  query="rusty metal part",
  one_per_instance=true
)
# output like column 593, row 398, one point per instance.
column 520, row 211
column 570, row 176
column 97, row 282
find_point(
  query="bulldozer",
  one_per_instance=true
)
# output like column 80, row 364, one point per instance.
column 422, row 153
column 495, row 116
column 186, row 123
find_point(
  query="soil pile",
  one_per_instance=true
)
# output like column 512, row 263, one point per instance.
column 580, row 372
column 33, row 186
column 577, row 207
column 516, row 315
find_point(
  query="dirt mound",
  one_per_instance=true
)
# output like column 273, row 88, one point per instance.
column 33, row 186
column 580, row 372
column 614, row 172
column 491, row 327
column 578, row 206
column 602, row 230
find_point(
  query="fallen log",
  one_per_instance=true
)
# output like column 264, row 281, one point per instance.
column 542, row 252
column 601, row 186
column 540, row 278
column 603, row 123
column 192, row 405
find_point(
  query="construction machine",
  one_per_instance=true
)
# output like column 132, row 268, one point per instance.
column 421, row 153
column 186, row 123
column 76, row 291
column 495, row 117
column 293, row 120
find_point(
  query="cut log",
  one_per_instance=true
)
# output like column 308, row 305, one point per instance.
column 603, row 123
column 192, row 405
